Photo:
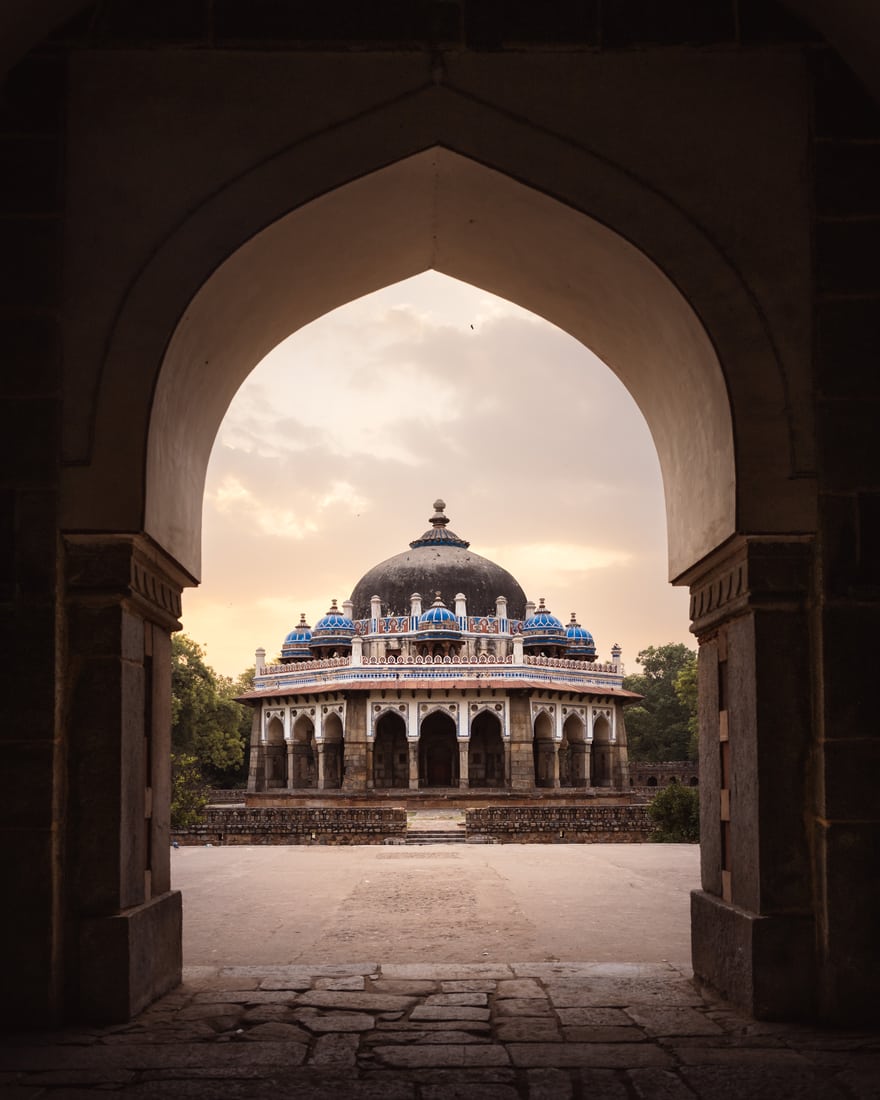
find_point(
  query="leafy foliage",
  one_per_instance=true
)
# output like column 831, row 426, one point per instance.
column 189, row 794
column 686, row 691
column 675, row 812
column 206, row 722
column 663, row 726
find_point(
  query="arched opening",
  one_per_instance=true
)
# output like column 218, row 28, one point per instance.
column 576, row 770
column 486, row 752
column 600, row 755
column 545, row 752
column 390, row 753
column 276, row 754
column 332, row 749
column 658, row 348
column 304, row 769
column 438, row 751
column 585, row 275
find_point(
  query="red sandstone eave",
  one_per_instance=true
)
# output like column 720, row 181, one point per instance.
column 482, row 684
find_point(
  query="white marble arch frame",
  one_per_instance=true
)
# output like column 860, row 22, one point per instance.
column 476, row 707
column 375, row 711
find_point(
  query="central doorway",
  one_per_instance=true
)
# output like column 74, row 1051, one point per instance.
column 438, row 752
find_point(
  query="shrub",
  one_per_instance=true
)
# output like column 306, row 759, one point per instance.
column 675, row 812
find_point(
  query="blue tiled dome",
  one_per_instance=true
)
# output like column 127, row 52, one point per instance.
column 296, row 644
column 439, row 621
column 438, row 614
column 543, row 628
column 334, row 629
column 580, row 641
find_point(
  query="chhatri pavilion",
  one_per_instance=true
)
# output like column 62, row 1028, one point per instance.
column 436, row 674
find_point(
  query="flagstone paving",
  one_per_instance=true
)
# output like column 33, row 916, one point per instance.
column 553, row 1031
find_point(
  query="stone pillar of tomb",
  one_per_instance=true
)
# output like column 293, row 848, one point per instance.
column 357, row 751
column 463, row 775
column 554, row 764
column 506, row 745
column 291, row 766
column 321, row 752
column 522, row 761
column 257, row 763
column 123, row 920
column 413, row 747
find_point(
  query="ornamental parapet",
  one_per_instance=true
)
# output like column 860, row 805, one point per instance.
column 344, row 670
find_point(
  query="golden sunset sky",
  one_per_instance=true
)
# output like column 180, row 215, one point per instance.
column 334, row 449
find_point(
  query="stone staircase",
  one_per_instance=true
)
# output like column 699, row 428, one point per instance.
column 435, row 827
column 436, row 836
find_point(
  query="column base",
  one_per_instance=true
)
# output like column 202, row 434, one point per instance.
column 129, row 959
column 764, row 965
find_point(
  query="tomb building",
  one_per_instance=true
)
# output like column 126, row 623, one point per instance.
column 436, row 673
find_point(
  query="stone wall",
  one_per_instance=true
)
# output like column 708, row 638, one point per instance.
column 296, row 826
column 649, row 774
column 560, row 824
column 218, row 794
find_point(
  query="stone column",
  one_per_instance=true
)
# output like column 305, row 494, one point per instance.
column 290, row 765
column 320, row 750
column 554, row 764
column 753, row 923
column 506, row 743
column 522, row 761
column 463, row 775
column 124, row 920
column 413, row 765
column 357, row 772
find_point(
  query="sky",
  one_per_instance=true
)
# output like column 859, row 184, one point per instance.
column 334, row 449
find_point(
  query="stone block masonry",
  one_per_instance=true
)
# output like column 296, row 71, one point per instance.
column 560, row 824
column 296, row 826
column 612, row 1030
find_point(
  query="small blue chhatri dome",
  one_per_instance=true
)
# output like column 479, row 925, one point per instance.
column 543, row 629
column 334, row 629
column 580, row 641
column 296, row 644
column 439, row 621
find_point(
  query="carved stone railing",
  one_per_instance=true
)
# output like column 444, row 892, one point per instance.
column 459, row 661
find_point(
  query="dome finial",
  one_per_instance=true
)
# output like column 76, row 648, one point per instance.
column 439, row 519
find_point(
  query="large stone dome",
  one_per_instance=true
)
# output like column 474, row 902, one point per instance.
column 438, row 561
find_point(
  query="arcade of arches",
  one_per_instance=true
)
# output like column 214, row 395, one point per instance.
column 705, row 219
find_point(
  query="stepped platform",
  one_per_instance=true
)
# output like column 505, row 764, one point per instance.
column 439, row 798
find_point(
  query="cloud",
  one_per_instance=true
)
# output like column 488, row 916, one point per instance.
column 335, row 447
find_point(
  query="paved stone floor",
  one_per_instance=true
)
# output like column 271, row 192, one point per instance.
column 411, row 1031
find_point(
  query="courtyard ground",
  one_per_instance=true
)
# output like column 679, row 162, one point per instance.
column 494, row 981
column 447, row 903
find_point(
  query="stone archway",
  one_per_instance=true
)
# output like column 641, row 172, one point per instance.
column 486, row 752
column 174, row 324
column 438, row 751
column 390, row 752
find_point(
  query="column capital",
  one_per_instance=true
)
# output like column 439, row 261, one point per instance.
column 129, row 568
column 748, row 572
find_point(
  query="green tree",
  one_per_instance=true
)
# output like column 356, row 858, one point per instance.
column 659, row 728
column 189, row 794
column 686, row 690
column 206, row 722
column 675, row 812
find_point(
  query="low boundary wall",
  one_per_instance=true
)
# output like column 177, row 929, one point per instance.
column 559, row 824
column 296, row 826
